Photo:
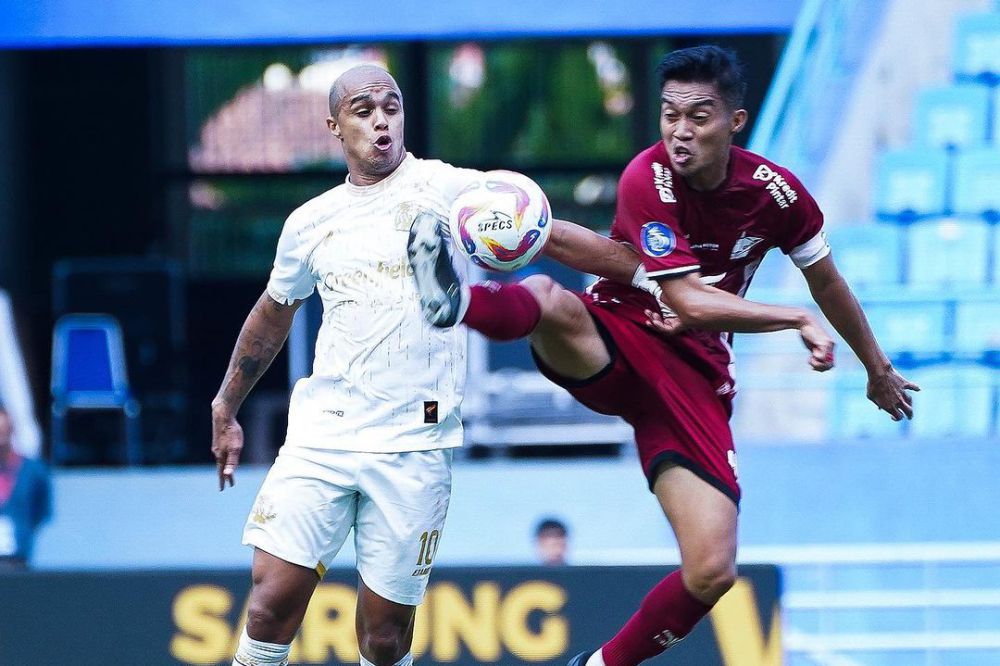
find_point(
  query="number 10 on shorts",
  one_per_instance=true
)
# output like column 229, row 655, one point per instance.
column 428, row 548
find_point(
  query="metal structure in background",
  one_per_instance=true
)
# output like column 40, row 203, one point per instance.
column 830, row 40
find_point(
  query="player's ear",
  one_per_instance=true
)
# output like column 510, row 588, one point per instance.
column 739, row 120
column 331, row 122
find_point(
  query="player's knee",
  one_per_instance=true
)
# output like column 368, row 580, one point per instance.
column 265, row 624
column 711, row 577
column 384, row 644
column 543, row 288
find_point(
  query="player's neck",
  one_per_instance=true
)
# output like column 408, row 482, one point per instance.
column 364, row 178
column 711, row 177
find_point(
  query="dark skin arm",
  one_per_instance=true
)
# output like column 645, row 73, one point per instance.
column 263, row 334
column 701, row 306
column 886, row 387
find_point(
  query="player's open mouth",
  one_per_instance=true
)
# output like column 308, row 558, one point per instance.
column 383, row 142
column 681, row 155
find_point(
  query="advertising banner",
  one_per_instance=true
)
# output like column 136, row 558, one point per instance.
column 523, row 615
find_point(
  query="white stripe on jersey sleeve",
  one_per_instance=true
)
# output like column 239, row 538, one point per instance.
column 811, row 251
column 669, row 272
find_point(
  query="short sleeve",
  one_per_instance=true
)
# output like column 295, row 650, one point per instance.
column 291, row 278
column 451, row 180
column 647, row 216
column 802, row 238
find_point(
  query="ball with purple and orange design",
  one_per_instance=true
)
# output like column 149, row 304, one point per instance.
column 501, row 221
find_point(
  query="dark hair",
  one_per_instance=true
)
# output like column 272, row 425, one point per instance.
column 551, row 525
column 706, row 64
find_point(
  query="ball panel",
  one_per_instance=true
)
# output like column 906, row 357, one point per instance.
column 501, row 222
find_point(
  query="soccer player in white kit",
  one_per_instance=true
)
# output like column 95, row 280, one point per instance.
column 371, row 432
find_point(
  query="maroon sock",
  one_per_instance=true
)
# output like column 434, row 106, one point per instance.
column 502, row 311
column 666, row 615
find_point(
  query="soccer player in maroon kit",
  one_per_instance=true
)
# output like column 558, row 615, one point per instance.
column 701, row 213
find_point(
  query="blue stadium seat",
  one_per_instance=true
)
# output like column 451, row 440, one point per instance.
column 948, row 252
column 977, row 327
column 956, row 116
column 868, row 255
column 911, row 183
column 853, row 415
column 88, row 372
column 977, row 182
column 955, row 400
column 918, row 327
column 977, row 47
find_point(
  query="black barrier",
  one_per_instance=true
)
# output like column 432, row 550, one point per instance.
column 523, row 615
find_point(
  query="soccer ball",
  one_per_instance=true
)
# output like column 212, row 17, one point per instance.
column 501, row 221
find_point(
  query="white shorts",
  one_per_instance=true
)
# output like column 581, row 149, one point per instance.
column 396, row 503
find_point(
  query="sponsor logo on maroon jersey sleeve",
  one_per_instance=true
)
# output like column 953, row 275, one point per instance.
column 777, row 186
column 658, row 240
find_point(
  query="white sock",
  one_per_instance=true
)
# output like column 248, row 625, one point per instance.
column 405, row 661
column 259, row 653
column 596, row 659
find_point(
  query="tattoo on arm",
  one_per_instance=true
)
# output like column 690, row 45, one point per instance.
column 262, row 336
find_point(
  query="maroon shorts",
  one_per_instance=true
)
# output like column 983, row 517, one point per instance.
column 678, row 417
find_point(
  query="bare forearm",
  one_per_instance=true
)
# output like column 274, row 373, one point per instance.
column 261, row 338
column 707, row 308
column 589, row 252
column 842, row 309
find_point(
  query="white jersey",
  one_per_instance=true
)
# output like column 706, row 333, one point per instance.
column 383, row 379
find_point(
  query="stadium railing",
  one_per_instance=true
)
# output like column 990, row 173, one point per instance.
column 828, row 43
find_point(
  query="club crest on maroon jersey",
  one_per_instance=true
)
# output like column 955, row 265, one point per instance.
column 658, row 240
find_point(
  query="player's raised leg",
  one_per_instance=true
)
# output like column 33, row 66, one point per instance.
column 278, row 601
column 561, row 330
column 704, row 522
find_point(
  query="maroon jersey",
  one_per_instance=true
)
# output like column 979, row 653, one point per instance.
column 723, row 234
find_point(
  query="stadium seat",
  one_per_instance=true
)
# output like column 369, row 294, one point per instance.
column 977, row 175
column 853, row 415
column 955, row 400
column 89, row 373
column 977, row 47
column 868, row 255
column 916, row 327
column 950, row 251
column 977, row 327
column 956, row 116
column 911, row 183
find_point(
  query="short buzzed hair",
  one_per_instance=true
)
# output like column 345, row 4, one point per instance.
column 706, row 64
column 336, row 96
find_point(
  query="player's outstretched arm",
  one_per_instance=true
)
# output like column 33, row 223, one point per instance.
column 589, row 252
column 698, row 305
column 886, row 387
column 262, row 336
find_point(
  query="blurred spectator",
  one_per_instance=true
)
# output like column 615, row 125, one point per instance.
column 25, row 499
column 551, row 541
